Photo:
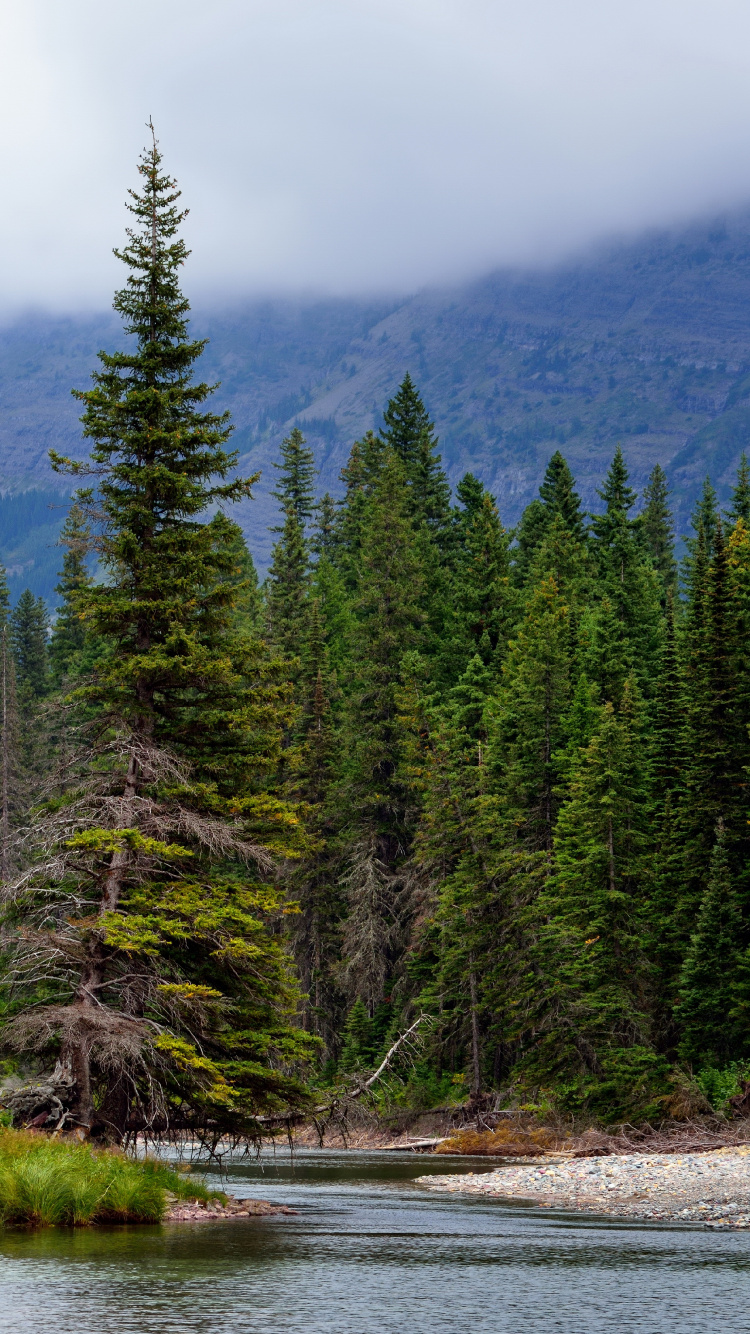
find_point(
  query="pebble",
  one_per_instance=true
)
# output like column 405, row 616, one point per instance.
column 709, row 1188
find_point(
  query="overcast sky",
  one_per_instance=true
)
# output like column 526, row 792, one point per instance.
column 362, row 145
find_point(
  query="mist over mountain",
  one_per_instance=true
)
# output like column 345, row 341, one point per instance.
column 645, row 343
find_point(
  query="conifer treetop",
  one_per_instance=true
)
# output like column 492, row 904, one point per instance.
column 143, row 405
column 295, row 491
column 618, row 497
column 406, row 423
column 559, row 495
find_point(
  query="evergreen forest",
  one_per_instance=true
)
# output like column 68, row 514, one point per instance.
column 431, row 766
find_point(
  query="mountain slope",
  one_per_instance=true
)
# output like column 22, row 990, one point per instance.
column 647, row 343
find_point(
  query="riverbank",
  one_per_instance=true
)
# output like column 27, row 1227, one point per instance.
column 711, row 1188
column 46, row 1182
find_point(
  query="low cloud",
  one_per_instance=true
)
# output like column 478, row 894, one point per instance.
column 362, row 145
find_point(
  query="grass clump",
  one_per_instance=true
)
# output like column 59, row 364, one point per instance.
column 52, row 1183
column 511, row 1141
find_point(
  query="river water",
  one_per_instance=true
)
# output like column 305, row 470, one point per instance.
column 372, row 1253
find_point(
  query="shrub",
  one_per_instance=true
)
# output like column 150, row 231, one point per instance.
column 718, row 1086
column 511, row 1141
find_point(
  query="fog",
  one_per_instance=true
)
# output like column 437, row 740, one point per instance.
column 351, row 146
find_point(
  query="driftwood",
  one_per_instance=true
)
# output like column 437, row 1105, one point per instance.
column 681, row 1137
column 44, row 1106
column 336, row 1109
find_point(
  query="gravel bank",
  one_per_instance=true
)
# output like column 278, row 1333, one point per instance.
column 711, row 1188
column 199, row 1211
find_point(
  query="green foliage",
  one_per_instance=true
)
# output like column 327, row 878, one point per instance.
column 28, row 632
column 657, row 528
column 527, row 749
column 718, row 1085
column 358, row 1048
column 69, row 640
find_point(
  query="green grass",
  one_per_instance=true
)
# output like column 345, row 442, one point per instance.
column 51, row 1183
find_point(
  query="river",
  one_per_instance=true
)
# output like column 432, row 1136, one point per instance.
column 371, row 1253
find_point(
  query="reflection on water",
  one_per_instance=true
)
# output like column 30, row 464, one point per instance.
column 370, row 1253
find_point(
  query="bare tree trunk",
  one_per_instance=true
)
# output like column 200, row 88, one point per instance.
column 76, row 1057
column 476, row 1054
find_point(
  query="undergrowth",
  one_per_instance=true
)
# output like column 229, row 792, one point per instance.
column 48, row 1183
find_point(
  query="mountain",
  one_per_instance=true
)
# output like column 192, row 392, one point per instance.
column 646, row 342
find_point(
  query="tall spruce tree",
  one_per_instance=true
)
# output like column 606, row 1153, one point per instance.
column 166, row 997
column 29, row 626
column 481, row 602
column 375, row 798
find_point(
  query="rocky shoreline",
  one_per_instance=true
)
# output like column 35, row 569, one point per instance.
column 710, row 1188
column 204, row 1211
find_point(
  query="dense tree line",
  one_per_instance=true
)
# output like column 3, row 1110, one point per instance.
column 526, row 759
column 432, row 764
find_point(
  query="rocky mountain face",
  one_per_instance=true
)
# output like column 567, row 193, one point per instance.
column 646, row 343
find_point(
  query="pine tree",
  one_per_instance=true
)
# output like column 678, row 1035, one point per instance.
column 357, row 1051
column 559, row 496
column 740, row 507
column 29, row 623
column 359, row 476
column 323, row 541
column 295, row 491
column 288, row 578
column 241, row 577
column 625, row 578
column 558, row 505
column 666, row 928
column 167, row 999
column 530, row 535
column 527, row 719
column 68, row 639
column 28, row 627
column 288, row 587
column 592, row 1024
column 471, row 493
column 657, row 529
column 714, row 778
column 409, row 432
column 709, row 973
column 705, row 516
column 376, row 802
column 481, row 602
